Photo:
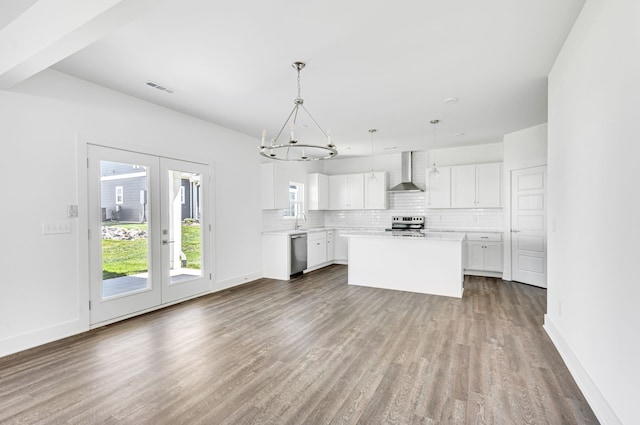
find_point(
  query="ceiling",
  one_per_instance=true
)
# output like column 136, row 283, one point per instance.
column 370, row 64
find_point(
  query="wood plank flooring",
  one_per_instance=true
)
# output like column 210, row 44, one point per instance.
column 309, row 351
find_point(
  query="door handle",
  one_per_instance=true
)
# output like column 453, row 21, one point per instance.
column 515, row 231
column 166, row 242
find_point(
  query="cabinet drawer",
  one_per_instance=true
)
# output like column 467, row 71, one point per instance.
column 316, row 236
column 486, row 237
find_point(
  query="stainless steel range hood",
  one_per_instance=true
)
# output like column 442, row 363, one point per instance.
column 406, row 184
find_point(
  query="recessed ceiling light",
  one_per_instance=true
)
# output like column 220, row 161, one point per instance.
column 459, row 134
column 347, row 148
column 451, row 100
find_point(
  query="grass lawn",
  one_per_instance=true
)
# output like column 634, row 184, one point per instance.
column 123, row 258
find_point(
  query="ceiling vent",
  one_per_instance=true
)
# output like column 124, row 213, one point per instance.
column 160, row 87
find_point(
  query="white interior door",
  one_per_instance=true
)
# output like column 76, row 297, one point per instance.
column 528, row 226
column 148, row 232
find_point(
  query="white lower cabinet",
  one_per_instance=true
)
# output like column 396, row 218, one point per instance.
column 331, row 255
column 341, row 246
column 484, row 254
column 316, row 249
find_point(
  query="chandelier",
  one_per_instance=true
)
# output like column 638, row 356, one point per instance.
column 294, row 150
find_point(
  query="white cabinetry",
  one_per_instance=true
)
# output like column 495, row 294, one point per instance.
column 331, row 255
column 316, row 249
column 341, row 246
column 346, row 192
column 276, row 251
column 439, row 190
column 375, row 191
column 318, row 192
column 476, row 186
column 484, row 254
column 274, row 184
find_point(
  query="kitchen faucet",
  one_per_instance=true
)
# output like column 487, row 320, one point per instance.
column 297, row 226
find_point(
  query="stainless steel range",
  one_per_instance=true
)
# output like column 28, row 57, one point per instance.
column 410, row 226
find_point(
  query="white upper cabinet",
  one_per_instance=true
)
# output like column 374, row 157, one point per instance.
column 346, row 192
column 476, row 186
column 463, row 186
column 439, row 190
column 489, row 185
column 375, row 191
column 318, row 187
column 274, row 184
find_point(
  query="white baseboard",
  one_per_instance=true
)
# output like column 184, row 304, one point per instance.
column 235, row 281
column 596, row 400
column 42, row 336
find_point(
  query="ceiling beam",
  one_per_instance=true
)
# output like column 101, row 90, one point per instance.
column 52, row 30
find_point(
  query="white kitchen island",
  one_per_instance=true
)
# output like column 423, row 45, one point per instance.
column 432, row 264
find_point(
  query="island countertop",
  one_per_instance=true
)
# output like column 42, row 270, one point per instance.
column 426, row 236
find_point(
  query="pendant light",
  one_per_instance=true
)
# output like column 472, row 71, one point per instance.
column 295, row 151
column 372, row 176
column 434, row 173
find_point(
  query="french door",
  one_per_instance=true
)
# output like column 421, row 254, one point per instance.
column 148, row 231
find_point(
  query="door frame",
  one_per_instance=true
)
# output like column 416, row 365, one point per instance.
column 83, row 140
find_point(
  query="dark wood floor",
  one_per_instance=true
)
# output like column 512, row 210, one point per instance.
column 310, row 351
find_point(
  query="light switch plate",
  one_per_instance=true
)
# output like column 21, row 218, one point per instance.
column 56, row 227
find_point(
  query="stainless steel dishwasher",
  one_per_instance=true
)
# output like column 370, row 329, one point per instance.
column 298, row 253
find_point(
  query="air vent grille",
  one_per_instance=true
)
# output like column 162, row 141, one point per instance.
column 160, row 87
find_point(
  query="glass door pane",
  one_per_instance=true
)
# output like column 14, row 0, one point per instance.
column 185, row 231
column 124, row 230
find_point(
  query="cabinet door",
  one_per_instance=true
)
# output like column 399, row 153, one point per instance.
column 341, row 246
column 488, row 185
column 274, row 183
column 355, row 191
column 338, row 192
column 493, row 257
column 375, row 191
column 463, row 186
column 330, row 246
column 318, row 192
column 316, row 249
column 475, row 255
column 439, row 191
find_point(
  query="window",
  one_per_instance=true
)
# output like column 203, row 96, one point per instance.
column 119, row 195
column 296, row 200
column 182, row 195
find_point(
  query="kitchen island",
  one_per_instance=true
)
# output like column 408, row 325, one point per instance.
column 430, row 264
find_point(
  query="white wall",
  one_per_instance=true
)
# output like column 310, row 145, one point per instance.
column 44, row 288
column 522, row 149
column 593, row 315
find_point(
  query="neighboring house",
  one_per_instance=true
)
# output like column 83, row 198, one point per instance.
column 124, row 196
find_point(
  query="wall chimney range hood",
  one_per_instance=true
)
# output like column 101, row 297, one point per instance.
column 406, row 184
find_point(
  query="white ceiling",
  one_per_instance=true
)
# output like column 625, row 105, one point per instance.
column 370, row 64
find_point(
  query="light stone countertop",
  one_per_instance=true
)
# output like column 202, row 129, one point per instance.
column 428, row 236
